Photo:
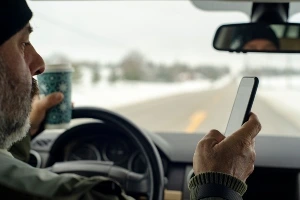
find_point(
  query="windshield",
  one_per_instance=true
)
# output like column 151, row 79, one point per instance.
column 153, row 62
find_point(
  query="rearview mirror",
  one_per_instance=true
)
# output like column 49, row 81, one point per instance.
column 258, row 37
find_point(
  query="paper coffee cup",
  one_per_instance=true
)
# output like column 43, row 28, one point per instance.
column 57, row 78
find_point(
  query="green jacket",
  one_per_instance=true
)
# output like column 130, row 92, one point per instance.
column 21, row 181
column 21, row 149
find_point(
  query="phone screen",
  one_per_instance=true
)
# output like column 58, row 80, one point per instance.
column 242, row 104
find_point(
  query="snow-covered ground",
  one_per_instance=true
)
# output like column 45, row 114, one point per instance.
column 280, row 83
column 286, row 102
column 119, row 94
column 283, row 94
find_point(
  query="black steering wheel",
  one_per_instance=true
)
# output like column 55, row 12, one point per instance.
column 150, row 184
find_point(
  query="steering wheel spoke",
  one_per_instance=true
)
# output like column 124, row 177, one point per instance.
column 133, row 183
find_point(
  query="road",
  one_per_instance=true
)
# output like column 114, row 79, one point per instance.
column 202, row 111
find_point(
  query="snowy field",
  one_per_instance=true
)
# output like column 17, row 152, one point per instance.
column 119, row 94
column 283, row 94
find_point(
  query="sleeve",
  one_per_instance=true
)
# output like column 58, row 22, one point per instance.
column 21, row 149
column 216, row 186
column 21, row 181
column 68, row 188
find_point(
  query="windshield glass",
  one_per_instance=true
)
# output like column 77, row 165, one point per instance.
column 153, row 62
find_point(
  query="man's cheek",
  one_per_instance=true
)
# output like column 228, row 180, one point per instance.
column 24, row 72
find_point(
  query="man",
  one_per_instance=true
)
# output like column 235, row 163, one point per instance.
column 259, row 37
column 221, row 164
column 260, row 44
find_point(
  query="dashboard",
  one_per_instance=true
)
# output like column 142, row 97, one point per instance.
column 111, row 148
column 99, row 142
column 276, row 174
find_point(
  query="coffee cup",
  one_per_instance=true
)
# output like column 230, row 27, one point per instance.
column 57, row 78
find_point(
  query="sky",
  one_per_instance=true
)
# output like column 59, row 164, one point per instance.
column 163, row 31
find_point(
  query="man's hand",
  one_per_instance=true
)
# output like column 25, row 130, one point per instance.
column 234, row 155
column 40, row 108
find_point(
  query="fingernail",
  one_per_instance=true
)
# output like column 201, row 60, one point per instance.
column 59, row 96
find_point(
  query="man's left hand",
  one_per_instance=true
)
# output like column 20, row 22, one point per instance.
column 233, row 155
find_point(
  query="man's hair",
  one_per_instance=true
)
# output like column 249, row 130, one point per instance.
column 14, row 15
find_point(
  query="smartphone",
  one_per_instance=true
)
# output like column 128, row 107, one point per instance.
column 242, row 104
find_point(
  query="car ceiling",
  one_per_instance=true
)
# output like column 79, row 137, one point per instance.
column 242, row 5
column 225, row 5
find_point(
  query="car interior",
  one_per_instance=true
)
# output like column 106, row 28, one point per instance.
column 156, row 163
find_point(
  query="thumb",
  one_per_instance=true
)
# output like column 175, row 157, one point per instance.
column 51, row 100
column 249, row 130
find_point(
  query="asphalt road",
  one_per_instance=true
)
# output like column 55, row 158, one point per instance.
column 202, row 111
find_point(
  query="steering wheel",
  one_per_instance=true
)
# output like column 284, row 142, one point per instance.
column 150, row 184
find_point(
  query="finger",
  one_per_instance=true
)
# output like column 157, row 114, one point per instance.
column 253, row 143
column 210, row 140
column 249, row 130
column 35, row 98
column 251, row 170
column 215, row 135
column 51, row 100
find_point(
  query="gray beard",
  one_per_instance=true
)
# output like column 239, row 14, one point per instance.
column 15, row 106
column 7, row 140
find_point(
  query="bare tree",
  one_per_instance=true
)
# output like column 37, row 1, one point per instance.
column 132, row 66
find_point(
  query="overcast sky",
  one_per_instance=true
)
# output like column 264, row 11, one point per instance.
column 164, row 31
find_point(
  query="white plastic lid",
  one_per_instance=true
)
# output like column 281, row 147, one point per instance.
column 59, row 68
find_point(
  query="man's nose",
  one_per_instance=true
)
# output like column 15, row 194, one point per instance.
column 37, row 64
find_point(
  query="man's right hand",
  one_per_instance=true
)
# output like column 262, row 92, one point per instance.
column 234, row 155
column 40, row 108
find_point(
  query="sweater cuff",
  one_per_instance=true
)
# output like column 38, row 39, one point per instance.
column 216, row 178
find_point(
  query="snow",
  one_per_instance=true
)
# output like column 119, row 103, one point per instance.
column 283, row 95
column 124, row 93
column 105, row 94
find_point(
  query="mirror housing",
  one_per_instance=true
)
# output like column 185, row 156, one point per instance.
column 258, row 37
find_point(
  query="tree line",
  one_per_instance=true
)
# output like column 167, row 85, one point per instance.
column 135, row 67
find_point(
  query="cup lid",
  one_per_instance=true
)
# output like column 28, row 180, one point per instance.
column 64, row 67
